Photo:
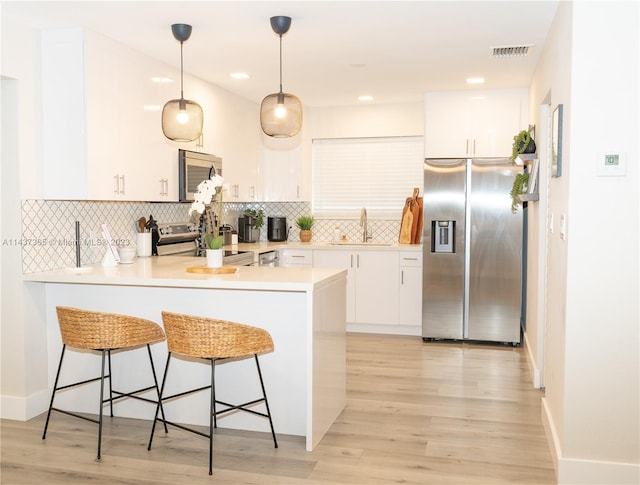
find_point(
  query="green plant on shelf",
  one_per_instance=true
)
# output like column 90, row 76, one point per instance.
column 523, row 142
column 520, row 183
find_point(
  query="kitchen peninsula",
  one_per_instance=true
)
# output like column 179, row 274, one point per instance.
column 302, row 308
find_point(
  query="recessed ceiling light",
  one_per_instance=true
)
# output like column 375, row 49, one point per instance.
column 365, row 97
column 475, row 80
column 161, row 80
column 152, row 107
column 239, row 75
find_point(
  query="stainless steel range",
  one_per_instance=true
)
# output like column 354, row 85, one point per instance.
column 181, row 239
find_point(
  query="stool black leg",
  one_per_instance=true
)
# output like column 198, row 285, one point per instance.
column 155, row 418
column 212, row 414
column 53, row 394
column 101, row 404
column 266, row 403
column 155, row 381
column 110, row 386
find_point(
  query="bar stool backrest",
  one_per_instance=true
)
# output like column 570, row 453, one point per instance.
column 86, row 329
column 212, row 338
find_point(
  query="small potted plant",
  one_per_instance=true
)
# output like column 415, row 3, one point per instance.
column 305, row 223
column 523, row 142
column 520, row 183
column 258, row 217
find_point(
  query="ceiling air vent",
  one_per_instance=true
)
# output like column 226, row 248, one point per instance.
column 511, row 51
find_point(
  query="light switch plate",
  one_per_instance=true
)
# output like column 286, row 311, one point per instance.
column 611, row 164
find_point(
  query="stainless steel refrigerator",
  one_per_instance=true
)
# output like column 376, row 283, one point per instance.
column 472, row 243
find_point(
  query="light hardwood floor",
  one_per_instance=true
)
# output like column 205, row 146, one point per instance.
column 417, row 413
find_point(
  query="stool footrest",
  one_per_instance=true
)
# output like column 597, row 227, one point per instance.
column 241, row 407
column 63, row 411
column 181, row 426
column 132, row 395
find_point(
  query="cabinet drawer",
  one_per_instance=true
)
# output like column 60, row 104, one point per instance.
column 296, row 257
column 411, row 259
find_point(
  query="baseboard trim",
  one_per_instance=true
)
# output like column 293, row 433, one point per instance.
column 24, row 408
column 573, row 471
column 414, row 330
column 536, row 375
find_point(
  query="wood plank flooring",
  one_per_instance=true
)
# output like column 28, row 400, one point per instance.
column 417, row 413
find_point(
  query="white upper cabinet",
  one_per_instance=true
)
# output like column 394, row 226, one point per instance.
column 102, row 139
column 474, row 123
column 284, row 165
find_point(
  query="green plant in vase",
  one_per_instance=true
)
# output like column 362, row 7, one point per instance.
column 305, row 223
column 257, row 214
column 523, row 142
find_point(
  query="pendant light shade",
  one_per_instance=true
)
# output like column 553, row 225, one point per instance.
column 182, row 118
column 281, row 113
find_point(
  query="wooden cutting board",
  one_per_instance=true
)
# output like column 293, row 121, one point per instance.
column 206, row 270
column 411, row 223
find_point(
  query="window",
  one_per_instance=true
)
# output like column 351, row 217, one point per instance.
column 376, row 173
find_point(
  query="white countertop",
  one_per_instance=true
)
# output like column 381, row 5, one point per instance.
column 171, row 271
column 264, row 246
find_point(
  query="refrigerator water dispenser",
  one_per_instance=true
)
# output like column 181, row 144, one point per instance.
column 443, row 236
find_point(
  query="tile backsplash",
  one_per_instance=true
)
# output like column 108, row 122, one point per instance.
column 48, row 226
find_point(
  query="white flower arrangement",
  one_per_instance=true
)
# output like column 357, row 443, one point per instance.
column 203, row 197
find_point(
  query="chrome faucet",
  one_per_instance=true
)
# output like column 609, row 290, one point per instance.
column 363, row 224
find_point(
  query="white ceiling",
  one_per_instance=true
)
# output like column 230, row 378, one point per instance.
column 394, row 51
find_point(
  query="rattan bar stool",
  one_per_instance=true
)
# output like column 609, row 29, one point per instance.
column 104, row 332
column 213, row 340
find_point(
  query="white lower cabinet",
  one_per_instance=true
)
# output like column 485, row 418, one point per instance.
column 295, row 258
column 372, row 289
column 410, row 294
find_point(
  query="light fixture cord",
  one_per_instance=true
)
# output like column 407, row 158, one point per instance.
column 280, row 62
column 181, row 72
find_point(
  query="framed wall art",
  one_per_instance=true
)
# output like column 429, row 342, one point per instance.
column 556, row 142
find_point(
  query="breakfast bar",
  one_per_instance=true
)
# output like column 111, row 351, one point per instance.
column 304, row 310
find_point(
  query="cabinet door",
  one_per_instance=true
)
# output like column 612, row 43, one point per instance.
column 341, row 259
column 410, row 289
column 281, row 174
column 447, row 125
column 376, row 292
column 496, row 117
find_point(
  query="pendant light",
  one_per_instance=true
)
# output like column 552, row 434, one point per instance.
column 182, row 118
column 281, row 113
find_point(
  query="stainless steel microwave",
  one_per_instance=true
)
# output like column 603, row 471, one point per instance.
column 193, row 168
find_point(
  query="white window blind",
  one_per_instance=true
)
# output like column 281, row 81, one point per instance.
column 376, row 173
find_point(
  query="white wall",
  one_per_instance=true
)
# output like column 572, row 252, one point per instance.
column 590, row 65
column 22, row 344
